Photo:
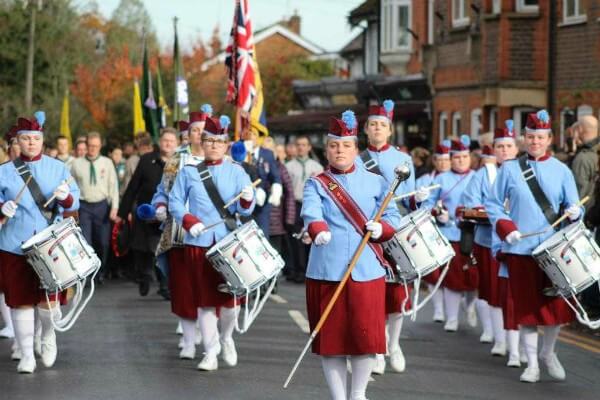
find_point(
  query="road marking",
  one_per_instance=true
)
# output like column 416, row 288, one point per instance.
column 278, row 299
column 299, row 320
column 580, row 345
column 580, row 338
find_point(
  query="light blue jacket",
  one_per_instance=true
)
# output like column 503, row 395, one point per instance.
column 475, row 194
column 329, row 262
column 28, row 220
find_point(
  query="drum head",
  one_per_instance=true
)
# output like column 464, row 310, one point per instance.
column 46, row 234
column 558, row 237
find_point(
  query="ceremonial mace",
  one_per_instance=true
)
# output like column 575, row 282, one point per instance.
column 402, row 173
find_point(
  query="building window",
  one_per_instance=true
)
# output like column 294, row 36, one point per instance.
column 493, row 118
column 442, row 126
column 430, row 21
column 476, row 125
column 496, row 6
column 527, row 5
column 584, row 110
column 396, row 21
column 572, row 11
column 567, row 118
column 520, row 118
column 456, row 124
column 460, row 12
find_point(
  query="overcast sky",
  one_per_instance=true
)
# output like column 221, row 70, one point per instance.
column 323, row 21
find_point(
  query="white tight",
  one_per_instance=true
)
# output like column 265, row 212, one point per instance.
column 336, row 375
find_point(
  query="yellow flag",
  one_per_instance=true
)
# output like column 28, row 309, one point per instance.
column 65, row 128
column 138, row 118
column 258, row 119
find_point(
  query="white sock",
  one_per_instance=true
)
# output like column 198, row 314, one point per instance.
column 395, row 329
column 549, row 341
column 227, row 319
column 45, row 317
column 484, row 314
column 437, row 299
column 530, row 342
column 513, row 342
column 498, row 324
column 23, row 320
column 188, row 327
column 451, row 304
column 5, row 311
column 361, row 371
column 335, row 372
column 207, row 316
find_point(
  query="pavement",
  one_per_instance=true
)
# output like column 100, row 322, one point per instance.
column 124, row 347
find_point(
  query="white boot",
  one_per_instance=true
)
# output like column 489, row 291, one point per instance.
column 210, row 338
column 49, row 348
column 227, row 319
column 484, row 312
column 499, row 349
column 15, row 351
column 397, row 361
column 8, row 330
column 438, row 303
column 379, row 365
column 23, row 321
column 530, row 375
column 37, row 337
column 188, row 349
column 452, row 306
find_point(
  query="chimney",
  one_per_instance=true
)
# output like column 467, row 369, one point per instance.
column 293, row 24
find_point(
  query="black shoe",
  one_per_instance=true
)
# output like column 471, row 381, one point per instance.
column 299, row 278
column 165, row 294
column 144, row 287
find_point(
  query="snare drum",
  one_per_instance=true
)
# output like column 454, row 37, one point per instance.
column 418, row 247
column 570, row 258
column 60, row 255
column 245, row 258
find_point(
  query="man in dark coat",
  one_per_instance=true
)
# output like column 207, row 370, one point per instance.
column 141, row 188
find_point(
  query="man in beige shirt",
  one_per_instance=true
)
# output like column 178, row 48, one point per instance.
column 97, row 181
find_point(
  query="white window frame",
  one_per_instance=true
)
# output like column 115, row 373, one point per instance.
column 522, row 7
column 476, row 118
column 462, row 19
column 584, row 110
column 496, row 7
column 430, row 21
column 493, row 119
column 517, row 111
column 389, row 25
column 442, row 125
column 578, row 17
column 456, row 120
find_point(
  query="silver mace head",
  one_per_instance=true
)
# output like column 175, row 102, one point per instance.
column 402, row 172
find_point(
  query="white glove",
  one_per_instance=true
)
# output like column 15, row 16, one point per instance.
column 422, row 194
column 196, row 229
column 62, row 191
column 376, row 229
column 161, row 213
column 261, row 196
column 574, row 212
column 276, row 193
column 248, row 193
column 9, row 209
column 306, row 238
column 323, row 238
column 513, row 237
column 443, row 217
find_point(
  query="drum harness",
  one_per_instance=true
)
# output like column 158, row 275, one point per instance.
column 39, row 199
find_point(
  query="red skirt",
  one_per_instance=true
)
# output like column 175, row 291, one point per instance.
column 487, row 267
column 395, row 295
column 181, row 285
column 20, row 283
column 433, row 277
column 507, row 304
column 461, row 276
column 526, row 282
column 356, row 324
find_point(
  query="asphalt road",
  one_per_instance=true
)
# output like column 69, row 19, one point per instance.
column 125, row 347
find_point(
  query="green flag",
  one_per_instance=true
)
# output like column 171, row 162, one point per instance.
column 180, row 103
column 163, row 108
column 148, row 102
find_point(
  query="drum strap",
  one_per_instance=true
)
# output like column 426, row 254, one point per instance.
column 537, row 192
column 350, row 209
column 369, row 163
column 23, row 170
column 215, row 197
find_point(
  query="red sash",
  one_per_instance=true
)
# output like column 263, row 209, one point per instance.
column 350, row 209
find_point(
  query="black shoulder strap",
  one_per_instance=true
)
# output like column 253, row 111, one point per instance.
column 370, row 164
column 215, row 197
column 536, row 190
column 24, row 172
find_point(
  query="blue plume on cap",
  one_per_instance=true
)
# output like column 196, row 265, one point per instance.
column 224, row 121
column 466, row 140
column 40, row 116
column 349, row 119
column 206, row 108
column 543, row 116
column 388, row 105
column 146, row 212
column 510, row 124
column 446, row 143
column 238, row 151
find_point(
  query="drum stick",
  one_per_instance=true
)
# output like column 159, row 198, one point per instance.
column 342, row 283
column 236, row 198
column 211, row 226
column 557, row 222
column 405, row 195
column 19, row 195
column 67, row 181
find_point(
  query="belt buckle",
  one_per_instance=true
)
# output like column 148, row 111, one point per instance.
column 204, row 175
column 370, row 164
column 528, row 174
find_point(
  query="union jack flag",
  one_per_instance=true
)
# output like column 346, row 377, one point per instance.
column 241, row 89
